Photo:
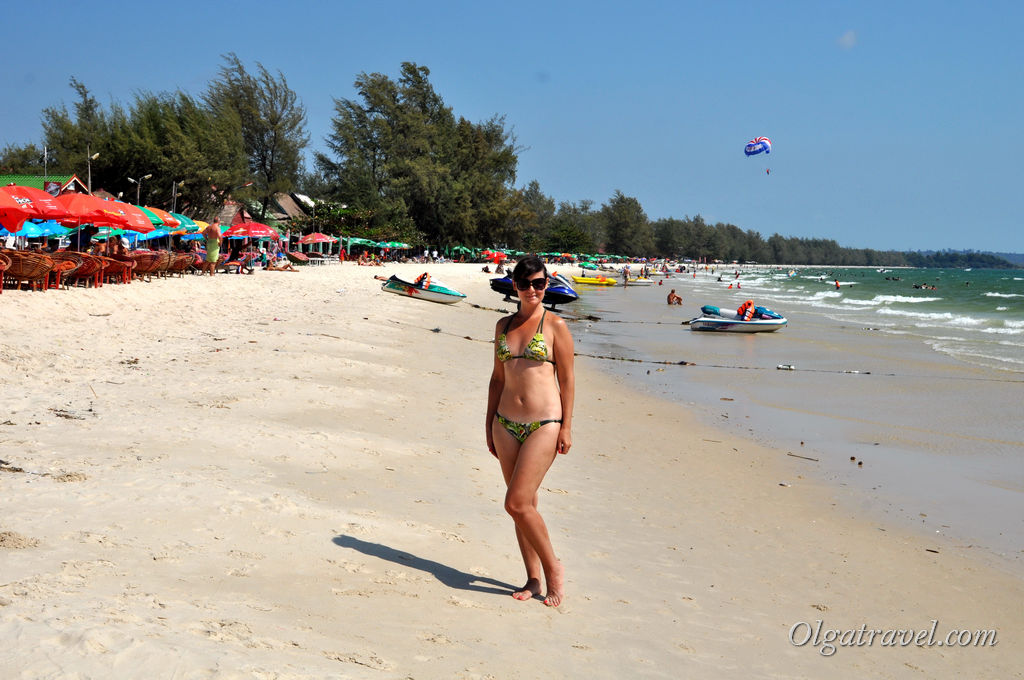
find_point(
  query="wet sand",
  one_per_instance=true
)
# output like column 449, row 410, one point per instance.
column 938, row 439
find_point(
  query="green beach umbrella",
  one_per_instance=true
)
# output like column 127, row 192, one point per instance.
column 356, row 241
column 157, row 222
column 186, row 223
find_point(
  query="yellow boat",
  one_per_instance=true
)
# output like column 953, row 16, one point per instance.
column 594, row 280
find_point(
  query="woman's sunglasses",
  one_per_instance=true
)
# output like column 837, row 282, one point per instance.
column 538, row 284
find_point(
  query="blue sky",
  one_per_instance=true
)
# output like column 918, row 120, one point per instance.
column 891, row 122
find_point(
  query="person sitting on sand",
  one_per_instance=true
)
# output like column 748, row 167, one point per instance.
column 674, row 299
column 280, row 263
column 486, row 270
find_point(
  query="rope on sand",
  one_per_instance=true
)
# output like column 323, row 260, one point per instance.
column 785, row 367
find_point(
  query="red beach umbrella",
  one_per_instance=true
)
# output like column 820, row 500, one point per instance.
column 18, row 204
column 85, row 209
column 88, row 209
column 317, row 237
column 251, row 230
column 133, row 218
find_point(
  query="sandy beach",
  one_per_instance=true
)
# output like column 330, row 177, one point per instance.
column 284, row 476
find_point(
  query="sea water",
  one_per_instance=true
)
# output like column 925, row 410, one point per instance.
column 921, row 384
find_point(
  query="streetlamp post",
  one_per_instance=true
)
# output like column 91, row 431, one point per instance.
column 89, row 158
column 174, row 195
column 138, row 185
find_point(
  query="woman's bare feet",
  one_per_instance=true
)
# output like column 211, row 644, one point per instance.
column 529, row 591
column 556, row 586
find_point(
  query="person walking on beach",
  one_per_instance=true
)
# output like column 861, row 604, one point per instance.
column 212, row 237
column 529, row 419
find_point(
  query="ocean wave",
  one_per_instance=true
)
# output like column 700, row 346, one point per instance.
column 1001, row 309
column 820, row 295
column 948, row 317
column 964, row 353
column 1003, row 295
column 1003, row 331
column 889, row 299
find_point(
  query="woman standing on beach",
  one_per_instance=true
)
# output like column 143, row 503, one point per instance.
column 529, row 419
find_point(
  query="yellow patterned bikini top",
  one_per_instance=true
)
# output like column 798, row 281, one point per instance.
column 535, row 350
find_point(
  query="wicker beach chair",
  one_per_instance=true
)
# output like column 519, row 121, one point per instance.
column 297, row 257
column 5, row 262
column 166, row 258
column 146, row 263
column 59, row 274
column 116, row 270
column 31, row 268
column 179, row 263
column 91, row 275
column 66, row 264
column 129, row 265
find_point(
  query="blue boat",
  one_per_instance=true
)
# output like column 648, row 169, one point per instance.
column 558, row 292
column 762, row 320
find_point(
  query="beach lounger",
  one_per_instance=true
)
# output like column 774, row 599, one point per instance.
column 31, row 268
column 146, row 263
column 5, row 262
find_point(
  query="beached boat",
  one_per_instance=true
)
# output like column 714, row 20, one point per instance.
column 762, row 320
column 558, row 292
column 423, row 288
column 594, row 280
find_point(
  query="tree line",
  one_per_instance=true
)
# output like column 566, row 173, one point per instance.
column 244, row 135
column 399, row 164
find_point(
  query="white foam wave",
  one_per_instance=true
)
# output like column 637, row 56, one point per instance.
column 964, row 354
column 889, row 299
column 948, row 317
column 1003, row 295
column 1001, row 309
column 1003, row 331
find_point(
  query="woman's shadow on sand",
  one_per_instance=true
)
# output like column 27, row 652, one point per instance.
column 453, row 578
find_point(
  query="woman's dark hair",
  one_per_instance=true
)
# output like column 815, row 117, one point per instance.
column 528, row 266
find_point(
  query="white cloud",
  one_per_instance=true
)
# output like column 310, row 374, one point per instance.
column 847, row 40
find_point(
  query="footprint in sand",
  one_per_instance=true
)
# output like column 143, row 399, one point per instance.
column 231, row 631
column 436, row 638
column 71, row 477
column 459, row 602
column 12, row 540
column 369, row 659
column 245, row 555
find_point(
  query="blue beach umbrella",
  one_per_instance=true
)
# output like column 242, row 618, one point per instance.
column 156, row 233
column 36, row 229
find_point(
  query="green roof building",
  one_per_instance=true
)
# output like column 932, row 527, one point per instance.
column 53, row 184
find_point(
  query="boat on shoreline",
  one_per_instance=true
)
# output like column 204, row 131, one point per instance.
column 759, row 320
column 594, row 280
column 422, row 288
column 558, row 292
